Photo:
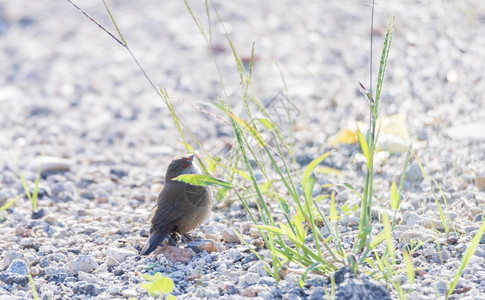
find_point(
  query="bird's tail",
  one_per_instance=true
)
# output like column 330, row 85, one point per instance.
column 157, row 235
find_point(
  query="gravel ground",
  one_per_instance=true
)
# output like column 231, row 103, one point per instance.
column 72, row 94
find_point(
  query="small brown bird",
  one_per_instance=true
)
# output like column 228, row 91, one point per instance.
column 181, row 207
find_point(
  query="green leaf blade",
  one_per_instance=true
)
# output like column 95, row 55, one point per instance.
column 202, row 180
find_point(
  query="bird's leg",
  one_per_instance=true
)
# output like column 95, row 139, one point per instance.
column 187, row 237
column 173, row 239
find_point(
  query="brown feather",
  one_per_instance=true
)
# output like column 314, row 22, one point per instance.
column 180, row 207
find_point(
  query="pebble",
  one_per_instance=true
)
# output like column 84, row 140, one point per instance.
column 84, row 263
column 204, row 245
column 119, row 254
column 50, row 164
column 229, row 236
column 10, row 256
column 18, row 266
column 175, row 254
column 248, row 279
column 111, row 262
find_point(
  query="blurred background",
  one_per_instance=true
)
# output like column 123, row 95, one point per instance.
column 71, row 91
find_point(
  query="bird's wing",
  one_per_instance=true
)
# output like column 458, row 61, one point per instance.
column 172, row 204
column 196, row 194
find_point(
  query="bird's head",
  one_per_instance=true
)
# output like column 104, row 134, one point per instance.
column 180, row 165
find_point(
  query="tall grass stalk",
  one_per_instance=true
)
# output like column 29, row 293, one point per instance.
column 368, row 145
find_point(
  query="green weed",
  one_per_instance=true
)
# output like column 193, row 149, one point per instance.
column 159, row 286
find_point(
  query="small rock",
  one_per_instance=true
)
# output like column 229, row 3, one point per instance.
column 118, row 272
column 51, row 220
column 86, row 289
column 129, row 293
column 118, row 172
column 56, row 274
column 441, row 286
column 358, row 287
column 350, row 221
column 83, row 276
column 472, row 131
column 476, row 260
column 27, row 243
column 251, row 291
column 248, row 279
column 428, row 251
column 111, row 262
column 119, row 254
column 228, row 287
column 269, row 281
column 50, row 164
column 254, row 232
column 10, row 278
column 10, row 256
column 318, row 293
column 46, row 249
column 207, row 293
column 442, row 256
column 87, row 195
column 414, row 173
column 18, row 266
column 245, row 226
column 175, row 254
column 233, row 255
column 229, row 236
column 452, row 240
column 20, row 230
column 259, row 269
column 201, row 245
column 480, row 182
column 249, row 258
column 84, row 263
column 38, row 214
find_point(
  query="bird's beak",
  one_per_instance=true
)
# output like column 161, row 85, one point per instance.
column 190, row 157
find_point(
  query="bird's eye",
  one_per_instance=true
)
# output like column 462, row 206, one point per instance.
column 187, row 162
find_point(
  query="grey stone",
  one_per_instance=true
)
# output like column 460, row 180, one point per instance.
column 119, row 254
column 248, row 279
column 10, row 278
column 50, row 164
column 19, row 267
column 258, row 268
column 86, row 288
column 84, row 263
column 9, row 256
column 229, row 236
column 269, row 281
column 318, row 293
column 356, row 287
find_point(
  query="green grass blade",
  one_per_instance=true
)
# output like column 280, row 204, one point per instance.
column 114, row 23
column 382, row 65
column 250, row 129
column 32, row 286
column 311, row 166
column 409, row 266
column 405, row 168
column 202, row 180
column 394, row 197
column 333, row 210
column 9, row 203
column 364, row 146
column 25, row 186
column 438, row 205
column 470, row 250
